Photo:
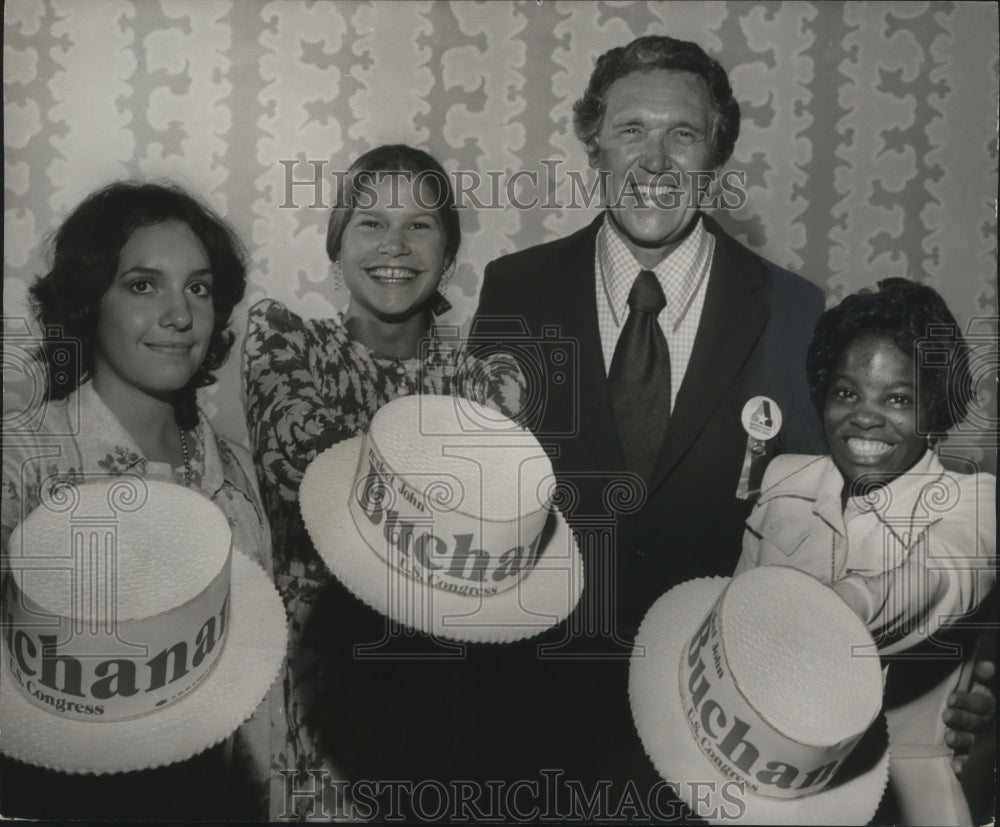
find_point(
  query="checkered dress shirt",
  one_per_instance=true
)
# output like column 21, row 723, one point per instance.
column 683, row 275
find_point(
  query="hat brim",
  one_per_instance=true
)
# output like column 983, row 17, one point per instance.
column 663, row 729
column 248, row 665
column 543, row 598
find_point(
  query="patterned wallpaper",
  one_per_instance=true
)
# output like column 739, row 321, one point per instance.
column 869, row 139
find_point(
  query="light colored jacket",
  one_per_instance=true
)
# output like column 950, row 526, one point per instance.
column 912, row 558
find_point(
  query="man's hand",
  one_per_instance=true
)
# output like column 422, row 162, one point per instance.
column 970, row 713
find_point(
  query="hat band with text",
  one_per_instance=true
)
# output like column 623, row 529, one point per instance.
column 425, row 534
column 115, row 669
column 734, row 737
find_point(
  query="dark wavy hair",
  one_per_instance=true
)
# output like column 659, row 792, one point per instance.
column 646, row 54
column 415, row 166
column 84, row 252
column 917, row 320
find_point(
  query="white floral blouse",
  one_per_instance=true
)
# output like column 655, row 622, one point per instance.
column 79, row 438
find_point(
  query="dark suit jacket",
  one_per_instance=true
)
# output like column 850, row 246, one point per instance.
column 752, row 340
column 565, row 693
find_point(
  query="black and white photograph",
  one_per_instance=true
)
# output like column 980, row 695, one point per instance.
column 500, row 411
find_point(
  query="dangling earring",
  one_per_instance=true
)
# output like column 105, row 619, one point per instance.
column 337, row 271
column 438, row 304
column 933, row 440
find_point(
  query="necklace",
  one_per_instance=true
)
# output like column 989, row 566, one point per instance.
column 187, row 458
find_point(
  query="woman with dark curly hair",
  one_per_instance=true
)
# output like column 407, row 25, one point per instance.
column 135, row 313
column 908, row 545
column 131, row 221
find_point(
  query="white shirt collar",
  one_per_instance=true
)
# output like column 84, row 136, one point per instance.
column 680, row 273
column 105, row 443
column 885, row 502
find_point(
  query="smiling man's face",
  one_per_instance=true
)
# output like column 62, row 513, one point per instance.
column 656, row 133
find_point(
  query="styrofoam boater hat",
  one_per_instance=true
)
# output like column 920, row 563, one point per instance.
column 758, row 698
column 134, row 635
column 441, row 518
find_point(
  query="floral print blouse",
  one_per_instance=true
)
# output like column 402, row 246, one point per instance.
column 78, row 437
column 307, row 386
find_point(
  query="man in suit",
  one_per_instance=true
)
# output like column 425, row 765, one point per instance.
column 658, row 464
column 657, row 470
column 657, row 118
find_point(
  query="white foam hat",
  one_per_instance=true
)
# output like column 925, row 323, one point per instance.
column 441, row 518
column 134, row 635
column 758, row 698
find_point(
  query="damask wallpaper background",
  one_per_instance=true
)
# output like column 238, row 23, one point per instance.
column 869, row 137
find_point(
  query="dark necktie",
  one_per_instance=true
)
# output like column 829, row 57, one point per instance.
column 639, row 377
